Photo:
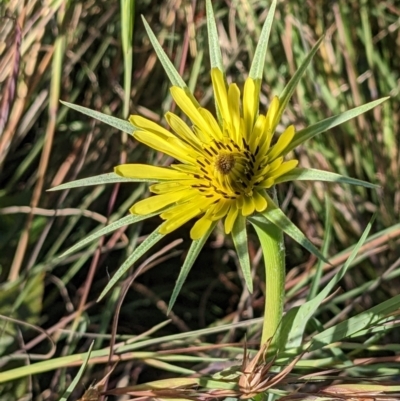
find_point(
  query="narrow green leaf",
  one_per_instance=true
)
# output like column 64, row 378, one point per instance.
column 125, row 221
column 191, row 257
column 239, row 236
column 78, row 376
column 109, row 178
column 298, row 325
column 324, row 125
column 363, row 321
column 117, row 123
column 310, row 174
column 169, row 68
column 275, row 215
column 148, row 243
column 213, row 40
column 317, row 276
column 291, row 85
column 257, row 65
column 127, row 11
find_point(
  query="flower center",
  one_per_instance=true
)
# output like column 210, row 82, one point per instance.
column 225, row 162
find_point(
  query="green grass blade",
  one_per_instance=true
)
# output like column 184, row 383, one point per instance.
column 296, row 329
column 121, row 125
column 169, row 68
column 324, row 125
column 291, row 85
column 275, row 215
column 317, row 274
column 125, row 221
column 213, row 40
column 257, row 65
column 148, row 243
column 191, row 257
column 78, row 376
column 363, row 321
column 108, row 178
column 127, row 22
column 309, row 174
column 239, row 236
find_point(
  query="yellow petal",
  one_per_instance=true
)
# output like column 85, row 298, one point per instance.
column 259, row 201
column 172, row 146
column 200, row 228
column 186, row 105
column 179, row 218
column 166, row 187
column 220, row 94
column 248, row 206
column 212, row 123
column 269, row 126
column 250, row 105
column 148, row 125
column 234, row 111
column 284, row 168
column 230, row 218
column 257, row 134
column 192, row 201
column 220, row 209
column 185, row 168
column 181, row 129
column 146, row 172
column 284, row 140
column 158, row 202
column 272, row 113
column 267, row 183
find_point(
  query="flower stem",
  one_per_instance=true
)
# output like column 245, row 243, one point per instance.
column 271, row 240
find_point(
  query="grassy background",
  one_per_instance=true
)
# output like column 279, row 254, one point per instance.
column 73, row 51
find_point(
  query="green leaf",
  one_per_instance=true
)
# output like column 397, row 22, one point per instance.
column 213, row 40
column 350, row 327
column 310, row 174
column 127, row 12
column 169, row 68
column 295, row 328
column 324, row 125
column 318, row 273
column 275, row 215
column 121, row 125
column 109, row 178
column 78, row 376
column 191, row 257
column 215, row 50
column 125, row 221
column 291, row 85
column 148, row 243
column 258, row 63
column 239, row 235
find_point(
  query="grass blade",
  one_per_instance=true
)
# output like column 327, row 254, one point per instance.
column 275, row 215
column 257, row 65
column 191, row 257
column 121, row 125
column 148, row 243
column 108, row 178
column 324, row 125
column 125, row 221
column 309, row 174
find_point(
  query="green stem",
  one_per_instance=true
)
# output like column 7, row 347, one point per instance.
column 271, row 240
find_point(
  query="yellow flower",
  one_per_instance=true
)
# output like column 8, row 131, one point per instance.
column 223, row 170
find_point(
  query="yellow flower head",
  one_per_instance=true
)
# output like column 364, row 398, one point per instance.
column 224, row 168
